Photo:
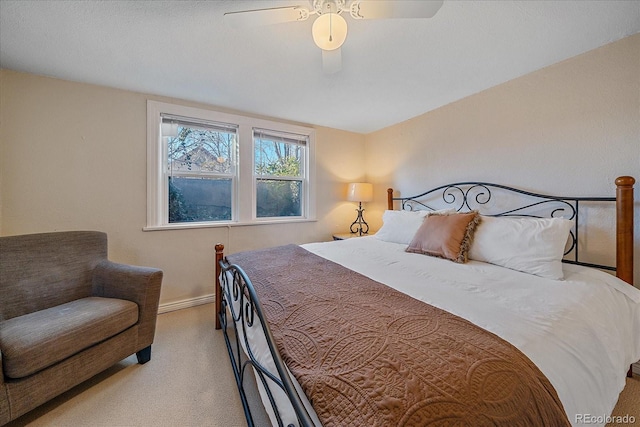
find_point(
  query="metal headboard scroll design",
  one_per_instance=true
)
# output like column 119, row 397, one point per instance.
column 470, row 196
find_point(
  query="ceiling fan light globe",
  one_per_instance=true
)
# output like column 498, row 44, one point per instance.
column 329, row 31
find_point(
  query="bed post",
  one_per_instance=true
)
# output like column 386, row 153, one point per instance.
column 390, row 199
column 624, row 228
column 218, row 290
column 624, row 233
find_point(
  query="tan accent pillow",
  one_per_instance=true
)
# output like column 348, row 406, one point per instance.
column 446, row 236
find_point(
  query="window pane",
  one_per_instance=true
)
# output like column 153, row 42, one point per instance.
column 278, row 158
column 199, row 199
column 201, row 150
column 278, row 198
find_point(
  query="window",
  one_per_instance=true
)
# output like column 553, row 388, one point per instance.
column 206, row 168
column 279, row 167
column 201, row 169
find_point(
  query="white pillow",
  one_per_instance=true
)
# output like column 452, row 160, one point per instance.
column 530, row 245
column 401, row 226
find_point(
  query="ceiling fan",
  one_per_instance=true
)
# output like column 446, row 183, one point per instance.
column 329, row 29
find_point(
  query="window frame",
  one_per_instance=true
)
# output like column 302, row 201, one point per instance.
column 303, row 178
column 244, row 198
column 233, row 175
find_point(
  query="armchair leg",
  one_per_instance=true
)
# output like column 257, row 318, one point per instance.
column 144, row 355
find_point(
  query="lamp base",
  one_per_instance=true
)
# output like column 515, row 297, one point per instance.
column 359, row 226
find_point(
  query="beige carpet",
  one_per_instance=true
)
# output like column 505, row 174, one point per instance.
column 188, row 382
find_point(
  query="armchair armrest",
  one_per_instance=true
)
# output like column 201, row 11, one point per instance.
column 138, row 284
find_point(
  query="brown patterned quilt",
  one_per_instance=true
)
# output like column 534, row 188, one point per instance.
column 368, row 355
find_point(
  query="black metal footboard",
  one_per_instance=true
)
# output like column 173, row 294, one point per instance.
column 240, row 314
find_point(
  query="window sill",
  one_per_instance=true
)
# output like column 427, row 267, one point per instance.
column 193, row 225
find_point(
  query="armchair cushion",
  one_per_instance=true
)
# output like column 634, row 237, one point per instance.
column 34, row 341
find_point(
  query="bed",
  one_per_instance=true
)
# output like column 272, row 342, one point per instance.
column 354, row 332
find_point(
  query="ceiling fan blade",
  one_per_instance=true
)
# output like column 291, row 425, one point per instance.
column 384, row 9
column 257, row 17
column 331, row 61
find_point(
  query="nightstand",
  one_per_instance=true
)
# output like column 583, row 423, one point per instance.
column 343, row 236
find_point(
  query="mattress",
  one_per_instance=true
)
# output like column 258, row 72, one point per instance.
column 581, row 332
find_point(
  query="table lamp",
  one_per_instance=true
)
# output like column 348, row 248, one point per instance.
column 360, row 192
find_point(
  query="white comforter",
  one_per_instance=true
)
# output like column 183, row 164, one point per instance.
column 582, row 332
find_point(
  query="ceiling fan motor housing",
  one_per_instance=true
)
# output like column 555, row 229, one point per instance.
column 328, row 6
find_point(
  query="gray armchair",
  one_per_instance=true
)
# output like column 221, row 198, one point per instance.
column 66, row 314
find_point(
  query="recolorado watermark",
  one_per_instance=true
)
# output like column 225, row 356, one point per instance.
column 605, row 419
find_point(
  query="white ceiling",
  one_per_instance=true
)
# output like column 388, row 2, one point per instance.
column 392, row 70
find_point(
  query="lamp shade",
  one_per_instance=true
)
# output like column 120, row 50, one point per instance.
column 329, row 31
column 360, row 192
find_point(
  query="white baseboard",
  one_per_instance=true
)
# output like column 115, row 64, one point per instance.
column 636, row 368
column 191, row 302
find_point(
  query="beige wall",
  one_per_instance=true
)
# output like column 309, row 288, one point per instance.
column 568, row 129
column 73, row 156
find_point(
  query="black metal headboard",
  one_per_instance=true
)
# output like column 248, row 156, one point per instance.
column 468, row 196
